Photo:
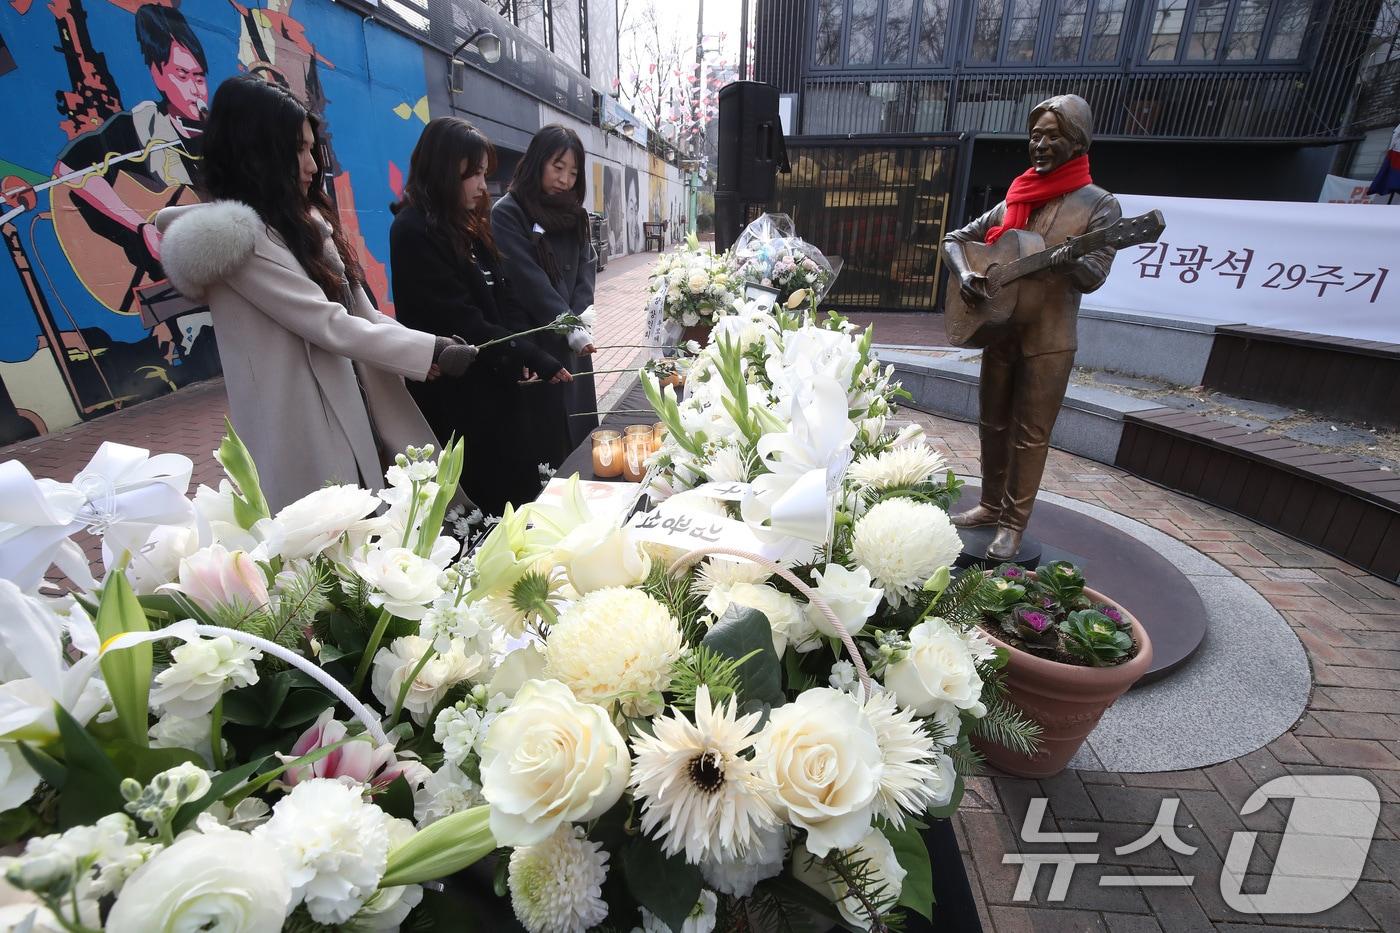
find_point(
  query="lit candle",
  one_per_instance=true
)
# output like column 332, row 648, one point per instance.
column 607, row 454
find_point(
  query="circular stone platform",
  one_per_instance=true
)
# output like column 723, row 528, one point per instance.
column 1247, row 683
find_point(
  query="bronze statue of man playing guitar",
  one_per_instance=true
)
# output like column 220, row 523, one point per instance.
column 1019, row 284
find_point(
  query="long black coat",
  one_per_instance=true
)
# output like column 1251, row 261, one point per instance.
column 440, row 292
column 557, row 409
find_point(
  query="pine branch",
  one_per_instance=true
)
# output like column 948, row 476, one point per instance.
column 1004, row 723
column 966, row 600
column 703, row 666
column 678, row 595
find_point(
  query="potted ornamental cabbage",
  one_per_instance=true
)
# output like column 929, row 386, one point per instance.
column 1072, row 652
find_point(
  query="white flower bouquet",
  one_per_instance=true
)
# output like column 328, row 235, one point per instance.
column 695, row 286
column 261, row 721
column 770, row 253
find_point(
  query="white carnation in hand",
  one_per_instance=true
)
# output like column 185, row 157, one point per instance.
column 334, row 847
column 615, row 643
column 898, row 468
column 902, row 542
column 556, row 886
column 203, row 669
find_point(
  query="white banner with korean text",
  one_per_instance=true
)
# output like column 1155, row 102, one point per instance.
column 1319, row 268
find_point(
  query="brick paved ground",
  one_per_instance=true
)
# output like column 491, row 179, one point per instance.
column 1348, row 621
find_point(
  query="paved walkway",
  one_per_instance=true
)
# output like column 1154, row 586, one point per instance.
column 1348, row 621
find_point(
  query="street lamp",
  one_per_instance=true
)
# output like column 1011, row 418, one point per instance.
column 488, row 46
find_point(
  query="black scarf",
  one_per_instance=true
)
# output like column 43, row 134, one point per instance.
column 554, row 213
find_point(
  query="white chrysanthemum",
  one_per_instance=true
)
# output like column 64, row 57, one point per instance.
column 456, row 729
column 698, row 791
column 557, row 885
column 334, row 844
column 913, row 779
column 701, row 919
column 898, row 468
column 447, row 791
column 614, row 644
column 716, row 572
column 202, row 669
column 902, row 542
column 785, row 615
column 739, row 875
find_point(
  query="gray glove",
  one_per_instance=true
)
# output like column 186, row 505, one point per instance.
column 454, row 358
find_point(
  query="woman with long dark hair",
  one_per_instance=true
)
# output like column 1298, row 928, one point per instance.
column 542, row 230
column 314, row 373
column 448, row 280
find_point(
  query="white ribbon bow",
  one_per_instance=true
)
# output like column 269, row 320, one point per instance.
column 122, row 496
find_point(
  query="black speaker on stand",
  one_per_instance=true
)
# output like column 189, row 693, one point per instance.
column 751, row 153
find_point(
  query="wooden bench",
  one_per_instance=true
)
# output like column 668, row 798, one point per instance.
column 654, row 232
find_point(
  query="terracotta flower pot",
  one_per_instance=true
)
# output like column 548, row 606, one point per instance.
column 1066, row 699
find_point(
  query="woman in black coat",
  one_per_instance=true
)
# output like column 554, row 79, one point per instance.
column 447, row 281
column 541, row 228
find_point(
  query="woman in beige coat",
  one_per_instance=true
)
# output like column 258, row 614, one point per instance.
column 314, row 373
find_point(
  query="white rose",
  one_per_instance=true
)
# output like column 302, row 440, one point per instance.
column 785, row 616
column 596, row 555
column 938, row 676
column 516, row 669
column 850, row 596
column 215, row 577
column 394, row 664
column 697, row 282
column 314, row 522
column 229, row 879
column 548, row 760
column 822, row 756
column 203, row 669
column 885, row 873
column 400, row 581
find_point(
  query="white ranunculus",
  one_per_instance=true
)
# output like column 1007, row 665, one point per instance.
column 394, row 664
column 214, row 577
column 17, row 779
column 598, row 554
column 785, row 614
column 334, row 846
column 885, row 872
column 203, row 669
column 822, row 756
column 400, row 581
column 938, row 676
column 549, row 760
column 850, row 596
column 314, row 522
column 227, row 881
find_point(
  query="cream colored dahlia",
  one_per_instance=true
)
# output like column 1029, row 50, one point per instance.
column 695, row 785
column 557, row 885
column 897, row 468
column 615, row 644
column 914, row 777
column 902, row 542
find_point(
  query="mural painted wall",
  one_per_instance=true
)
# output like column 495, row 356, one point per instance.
column 104, row 102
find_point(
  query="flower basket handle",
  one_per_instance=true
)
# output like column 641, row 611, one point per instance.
column 812, row 596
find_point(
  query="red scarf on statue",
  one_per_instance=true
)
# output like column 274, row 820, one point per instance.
column 1030, row 190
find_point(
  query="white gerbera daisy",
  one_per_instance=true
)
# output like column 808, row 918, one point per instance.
column 897, row 468
column 557, row 886
column 697, row 787
column 902, row 542
column 615, row 643
column 912, row 780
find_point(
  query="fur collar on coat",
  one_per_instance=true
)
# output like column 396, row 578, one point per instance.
column 202, row 243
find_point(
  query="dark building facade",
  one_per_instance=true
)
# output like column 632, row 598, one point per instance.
column 1195, row 98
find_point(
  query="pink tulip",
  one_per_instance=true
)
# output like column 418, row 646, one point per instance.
column 215, row 577
column 357, row 762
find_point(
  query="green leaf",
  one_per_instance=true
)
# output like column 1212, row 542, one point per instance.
column 257, row 704
column 267, row 777
column 17, row 823
column 248, row 504
column 50, row 769
column 946, row 811
column 219, row 787
column 303, row 706
column 127, row 671
column 789, row 890
column 396, row 799
column 667, row 887
column 444, row 847
column 741, row 632
column 93, row 785
column 912, row 855
column 142, row 763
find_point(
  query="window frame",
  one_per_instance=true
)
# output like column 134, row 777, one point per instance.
column 1261, row 60
column 952, row 30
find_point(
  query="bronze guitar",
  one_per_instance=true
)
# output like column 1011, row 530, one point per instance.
column 1017, row 254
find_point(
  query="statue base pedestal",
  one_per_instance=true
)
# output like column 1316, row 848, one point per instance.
column 977, row 540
